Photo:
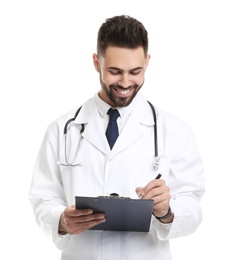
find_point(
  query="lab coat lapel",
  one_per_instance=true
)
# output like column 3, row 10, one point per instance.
column 133, row 130
column 128, row 136
column 95, row 134
column 131, row 133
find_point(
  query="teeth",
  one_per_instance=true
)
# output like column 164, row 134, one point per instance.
column 124, row 91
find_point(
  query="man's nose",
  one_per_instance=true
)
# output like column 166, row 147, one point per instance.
column 125, row 80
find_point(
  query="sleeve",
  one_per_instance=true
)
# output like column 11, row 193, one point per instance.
column 186, row 181
column 46, row 194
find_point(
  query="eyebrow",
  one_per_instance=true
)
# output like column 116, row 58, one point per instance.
column 115, row 68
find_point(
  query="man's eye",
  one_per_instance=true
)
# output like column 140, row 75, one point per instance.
column 136, row 72
column 114, row 72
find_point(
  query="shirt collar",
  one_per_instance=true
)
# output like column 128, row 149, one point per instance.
column 103, row 107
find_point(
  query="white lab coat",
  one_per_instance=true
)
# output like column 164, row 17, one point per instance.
column 101, row 171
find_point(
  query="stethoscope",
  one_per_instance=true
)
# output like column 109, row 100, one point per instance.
column 66, row 127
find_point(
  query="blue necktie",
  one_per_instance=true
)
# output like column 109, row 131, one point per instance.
column 112, row 131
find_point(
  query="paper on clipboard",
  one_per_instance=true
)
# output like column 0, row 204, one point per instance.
column 122, row 214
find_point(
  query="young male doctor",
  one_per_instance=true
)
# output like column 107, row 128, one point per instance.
column 84, row 164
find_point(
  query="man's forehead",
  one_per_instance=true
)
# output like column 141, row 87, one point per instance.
column 123, row 58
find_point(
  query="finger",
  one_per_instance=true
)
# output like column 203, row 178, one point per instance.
column 140, row 192
column 162, row 201
column 90, row 217
column 73, row 212
column 82, row 217
column 79, row 227
column 153, row 184
column 74, row 223
column 91, row 223
column 82, row 212
column 154, row 188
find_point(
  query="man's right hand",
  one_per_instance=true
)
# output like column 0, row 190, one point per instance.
column 76, row 221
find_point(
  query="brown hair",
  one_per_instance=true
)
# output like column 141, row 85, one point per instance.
column 122, row 31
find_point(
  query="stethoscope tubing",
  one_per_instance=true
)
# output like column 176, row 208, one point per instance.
column 83, row 128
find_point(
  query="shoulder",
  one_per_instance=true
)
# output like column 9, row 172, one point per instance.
column 171, row 123
column 59, row 123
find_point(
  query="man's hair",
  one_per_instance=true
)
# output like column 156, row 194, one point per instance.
column 122, row 31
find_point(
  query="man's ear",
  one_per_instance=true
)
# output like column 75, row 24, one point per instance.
column 147, row 59
column 96, row 62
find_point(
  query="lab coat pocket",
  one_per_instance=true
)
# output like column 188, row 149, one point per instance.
column 141, row 169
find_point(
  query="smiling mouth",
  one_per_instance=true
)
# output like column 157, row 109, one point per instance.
column 123, row 91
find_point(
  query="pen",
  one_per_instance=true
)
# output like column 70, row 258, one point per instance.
column 158, row 176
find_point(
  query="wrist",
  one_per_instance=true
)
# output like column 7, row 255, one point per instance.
column 168, row 218
column 61, row 229
column 62, row 233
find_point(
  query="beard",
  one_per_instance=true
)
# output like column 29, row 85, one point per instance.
column 120, row 101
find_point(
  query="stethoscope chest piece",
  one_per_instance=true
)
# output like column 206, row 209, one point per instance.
column 156, row 163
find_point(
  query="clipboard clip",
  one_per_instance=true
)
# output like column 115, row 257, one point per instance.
column 114, row 196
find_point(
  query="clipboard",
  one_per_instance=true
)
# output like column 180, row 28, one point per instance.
column 122, row 213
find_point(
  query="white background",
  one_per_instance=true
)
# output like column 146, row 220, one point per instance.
column 46, row 70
